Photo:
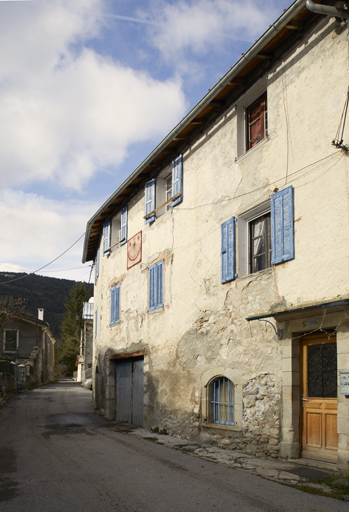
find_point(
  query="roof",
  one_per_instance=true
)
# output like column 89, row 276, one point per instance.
column 311, row 308
column 253, row 64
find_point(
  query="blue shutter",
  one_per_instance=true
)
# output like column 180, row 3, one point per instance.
column 152, row 272
column 156, row 285
column 124, row 225
column 282, row 238
column 159, row 284
column 96, row 316
column 177, row 180
column 112, row 305
column 150, row 201
column 97, row 265
column 228, row 252
column 115, row 304
column 106, row 237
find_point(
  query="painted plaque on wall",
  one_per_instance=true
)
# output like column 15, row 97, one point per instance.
column 134, row 250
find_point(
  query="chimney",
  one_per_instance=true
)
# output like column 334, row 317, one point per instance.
column 40, row 314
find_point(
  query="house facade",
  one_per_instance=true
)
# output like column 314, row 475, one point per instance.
column 27, row 352
column 221, row 303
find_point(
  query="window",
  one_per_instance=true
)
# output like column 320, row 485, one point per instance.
column 222, row 401
column 260, row 246
column 266, row 237
column 158, row 191
column 115, row 304
column 119, row 229
column 96, row 318
column 256, row 121
column 156, row 283
column 10, row 340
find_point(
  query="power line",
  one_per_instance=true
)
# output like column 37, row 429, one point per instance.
column 44, row 266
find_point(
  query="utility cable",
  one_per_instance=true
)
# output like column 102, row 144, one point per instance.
column 47, row 264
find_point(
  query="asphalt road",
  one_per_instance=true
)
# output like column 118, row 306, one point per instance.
column 57, row 455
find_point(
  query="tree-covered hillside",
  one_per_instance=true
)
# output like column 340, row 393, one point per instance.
column 48, row 293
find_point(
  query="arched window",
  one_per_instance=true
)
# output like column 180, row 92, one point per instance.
column 221, row 392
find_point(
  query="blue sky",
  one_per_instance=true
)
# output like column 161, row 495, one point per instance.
column 88, row 88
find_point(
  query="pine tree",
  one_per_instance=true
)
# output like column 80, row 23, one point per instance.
column 72, row 325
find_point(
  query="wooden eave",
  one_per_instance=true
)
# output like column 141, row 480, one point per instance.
column 223, row 94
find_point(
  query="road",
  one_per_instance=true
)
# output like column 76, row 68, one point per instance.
column 57, row 455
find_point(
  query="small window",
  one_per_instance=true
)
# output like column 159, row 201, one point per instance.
column 260, row 245
column 222, row 401
column 156, row 285
column 115, row 304
column 256, row 121
column 167, row 185
column 10, row 340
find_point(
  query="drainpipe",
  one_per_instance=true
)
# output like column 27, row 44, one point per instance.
column 337, row 12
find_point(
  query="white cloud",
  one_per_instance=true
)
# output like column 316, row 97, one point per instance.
column 67, row 112
column 36, row 230
column 198, row 26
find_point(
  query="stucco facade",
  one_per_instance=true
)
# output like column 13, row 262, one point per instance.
column 204, row 331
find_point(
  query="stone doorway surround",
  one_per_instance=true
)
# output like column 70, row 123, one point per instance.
column 290, row 325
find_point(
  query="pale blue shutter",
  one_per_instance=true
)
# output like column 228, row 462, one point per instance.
column 282, row 238
column 159, row 284
column 228, row 253
column 124, row 225
column 115, row 304
column 96, row 316
column 97, row 265
column 112, row 305
column 177, row 180
column 106, row 237
column 152, row 273
column 150, row 201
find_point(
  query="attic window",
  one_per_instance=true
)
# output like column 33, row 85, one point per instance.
column 257, row 121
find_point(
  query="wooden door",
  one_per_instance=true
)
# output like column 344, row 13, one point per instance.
column 319, row 397
column 129, row 391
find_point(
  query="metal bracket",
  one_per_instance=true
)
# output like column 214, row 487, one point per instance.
column 278, row 334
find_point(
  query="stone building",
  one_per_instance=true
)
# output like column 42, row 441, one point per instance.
column 26, row 352
column 221, row 303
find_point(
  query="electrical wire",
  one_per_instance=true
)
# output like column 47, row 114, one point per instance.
column 47, row 264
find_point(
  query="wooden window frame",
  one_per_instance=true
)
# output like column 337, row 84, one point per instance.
column 263, row 118
column 267, row 242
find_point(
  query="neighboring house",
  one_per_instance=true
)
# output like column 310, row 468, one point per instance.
column 222, row 270
column 87, row 337
column 26, row 352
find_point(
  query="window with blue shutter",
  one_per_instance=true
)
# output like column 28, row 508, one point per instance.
column 115, row 304
column 282, row 237
column 106, row 237
column 177, row 180
column 150, row 201
column 228, row 253
column 97, row 265
column 156, row 285
column 96, row 316
column 123, row 225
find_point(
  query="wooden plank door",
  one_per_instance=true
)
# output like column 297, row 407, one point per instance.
column 124, row 391
column 137, row 392
column 319, row 397
column 129, row 391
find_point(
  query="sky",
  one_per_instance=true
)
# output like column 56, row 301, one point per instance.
column 88, row 88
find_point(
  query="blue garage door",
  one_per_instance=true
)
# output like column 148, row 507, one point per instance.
column 129, row 391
